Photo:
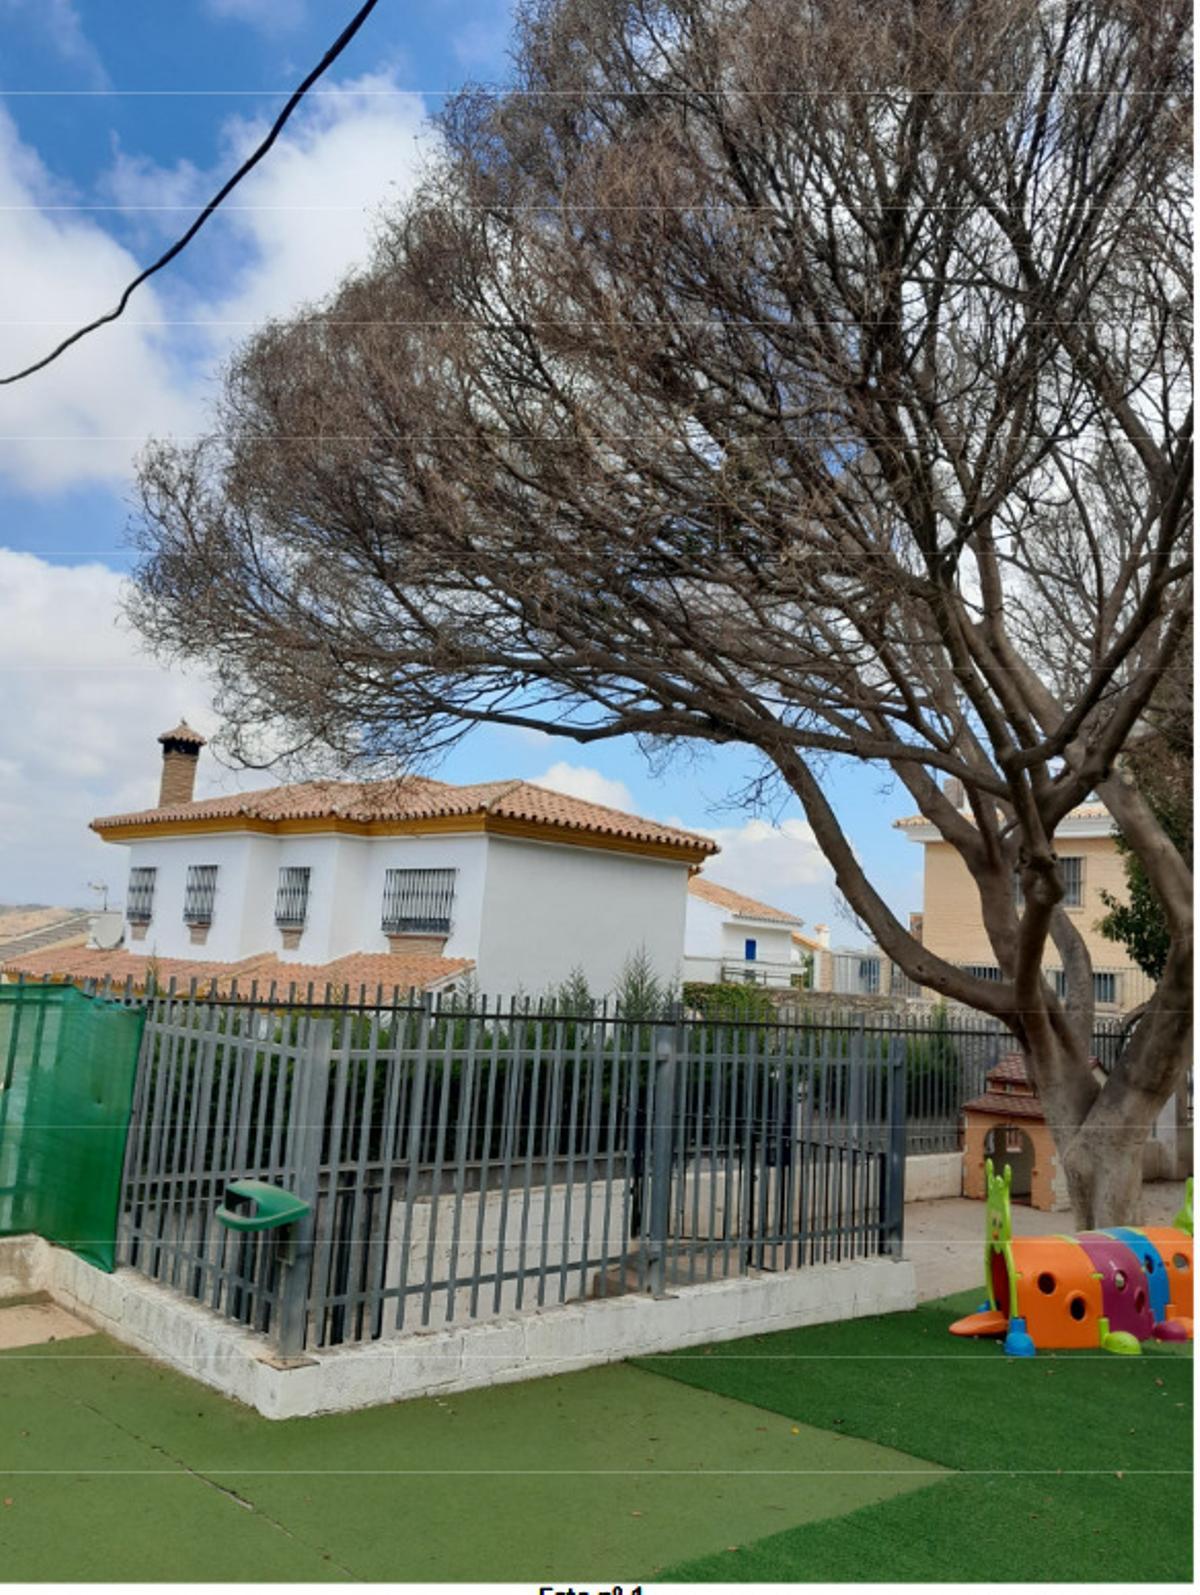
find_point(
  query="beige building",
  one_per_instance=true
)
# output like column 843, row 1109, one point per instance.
column 952, row 920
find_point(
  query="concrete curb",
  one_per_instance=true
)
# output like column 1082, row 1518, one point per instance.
column 553, row 1340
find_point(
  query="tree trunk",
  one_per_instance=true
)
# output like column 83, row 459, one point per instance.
column 1102, row 1156
column 1104, row 1176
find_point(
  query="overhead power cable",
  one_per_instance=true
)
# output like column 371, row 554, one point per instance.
column 247, row 166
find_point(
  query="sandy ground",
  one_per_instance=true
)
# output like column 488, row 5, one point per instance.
column 945, row 1239
column 20, row 921
column 37, row 1323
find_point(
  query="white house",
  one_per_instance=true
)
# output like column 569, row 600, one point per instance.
column 411, row 882
column 732, row 937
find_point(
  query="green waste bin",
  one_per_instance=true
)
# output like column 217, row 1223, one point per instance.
column 259, row 1205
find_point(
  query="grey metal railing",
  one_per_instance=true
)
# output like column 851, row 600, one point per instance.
column 465, row 1165
column 139, row 901
column 291, row 895
column 417, row 900
column 762, row 972
column 199, row 894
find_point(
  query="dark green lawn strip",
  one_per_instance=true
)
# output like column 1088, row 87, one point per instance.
column 903, row 1381
column 1005, row 1529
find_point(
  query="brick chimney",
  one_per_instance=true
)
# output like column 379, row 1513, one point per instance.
column 181, row 753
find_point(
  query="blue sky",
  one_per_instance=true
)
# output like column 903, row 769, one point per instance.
column 117, row 119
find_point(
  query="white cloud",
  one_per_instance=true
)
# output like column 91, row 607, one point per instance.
column 83, row 707
column 582, row 781
column 57, row 428
column 306, row 217
column 779, row 864
column 309, row 212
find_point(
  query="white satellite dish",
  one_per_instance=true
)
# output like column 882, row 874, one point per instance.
column 107, row 930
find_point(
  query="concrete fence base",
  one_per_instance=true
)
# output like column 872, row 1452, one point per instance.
column 239, row 1362
column 933, row 1176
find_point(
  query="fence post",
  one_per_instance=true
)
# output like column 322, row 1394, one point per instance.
column 296, row 1253
column 892, row 1214
column 661, row 1147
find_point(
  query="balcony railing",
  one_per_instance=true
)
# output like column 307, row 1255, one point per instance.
column 761, row 972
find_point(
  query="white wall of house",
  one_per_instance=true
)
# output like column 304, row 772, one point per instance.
column 526, row 912
column 715, row 943
column 167, row 935
column 549, row 908
column 258, row 898
column 345, row 895
column 704, row 932
column 468, row 855
column 772, row 942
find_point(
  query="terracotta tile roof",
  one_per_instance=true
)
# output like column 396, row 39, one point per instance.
column 184, row 733
column 1084, row 811
column 418, row 798
column 389, row 970
column 1010, row 1070
column 737, row 902
column 1002, row 1106
column 1020, row 1104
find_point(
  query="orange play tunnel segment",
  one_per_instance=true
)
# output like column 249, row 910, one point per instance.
column 1058, row 1293
column 986, row 1323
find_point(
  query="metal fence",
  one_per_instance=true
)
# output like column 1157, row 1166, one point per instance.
column 464, row 1165
column 946, row 1057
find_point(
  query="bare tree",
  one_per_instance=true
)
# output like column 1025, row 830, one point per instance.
column 807, row 376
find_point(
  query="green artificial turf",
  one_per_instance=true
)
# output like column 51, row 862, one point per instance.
column 1076, row 1465
column 1006, row 1530
column 113, row 1467
column 816, row 1454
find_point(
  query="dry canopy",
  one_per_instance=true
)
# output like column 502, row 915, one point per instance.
column 812, row 377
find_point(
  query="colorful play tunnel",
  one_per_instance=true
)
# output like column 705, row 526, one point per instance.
column 1112, row 1288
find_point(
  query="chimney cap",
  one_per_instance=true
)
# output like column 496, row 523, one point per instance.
column 184, row 733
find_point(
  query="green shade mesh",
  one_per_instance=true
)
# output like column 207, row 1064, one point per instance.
column 67, row 1067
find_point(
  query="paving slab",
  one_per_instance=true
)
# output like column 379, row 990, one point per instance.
column 944, row 1239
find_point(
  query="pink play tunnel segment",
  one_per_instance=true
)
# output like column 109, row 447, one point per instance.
column 1122, row 1283
column 1173, row 1329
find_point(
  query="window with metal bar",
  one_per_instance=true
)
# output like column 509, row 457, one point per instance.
column 1105, row 985
column 139, row 901
column 291, row 896
column 902, row 986
column 199, row 894
column 1071, row 870
column 417, row 900
column 868, row 976
column 982, row 971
